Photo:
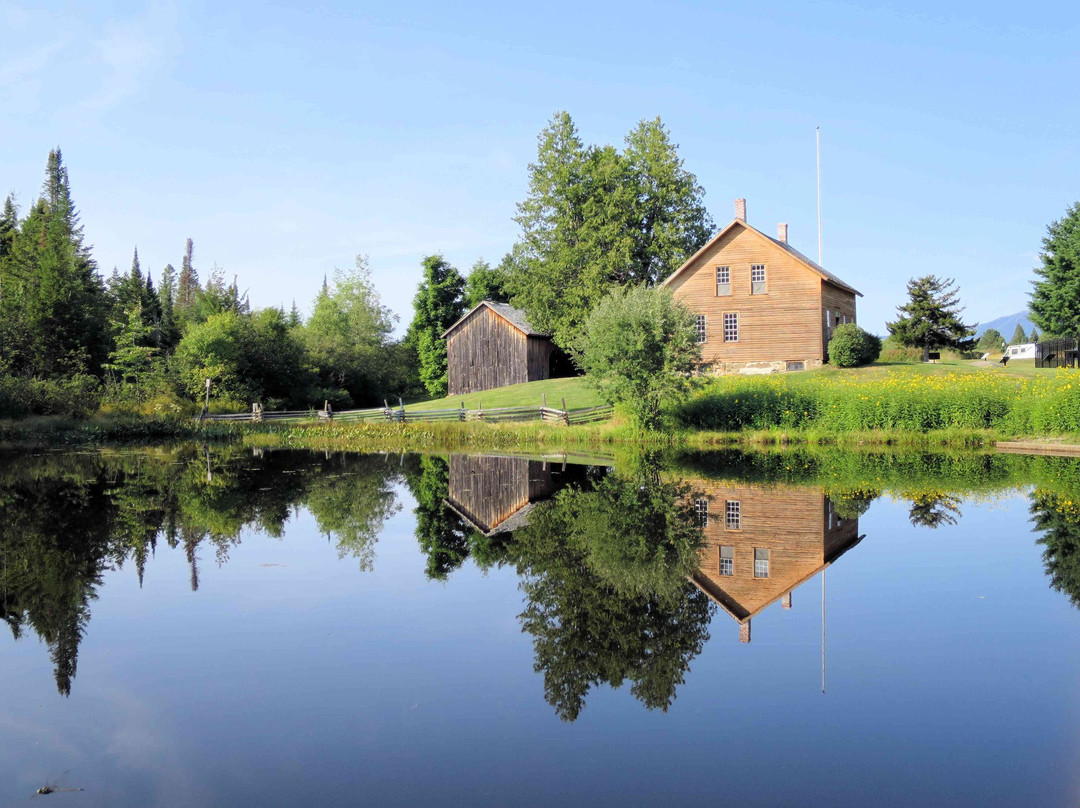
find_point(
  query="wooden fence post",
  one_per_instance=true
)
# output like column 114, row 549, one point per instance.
column 462, row 415
column 479, row 410
column 386, row 409
column 402, row 404
column 565, row 412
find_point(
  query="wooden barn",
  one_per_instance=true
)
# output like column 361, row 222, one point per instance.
column 493, row 346
column 763, row 542
column 762, row 306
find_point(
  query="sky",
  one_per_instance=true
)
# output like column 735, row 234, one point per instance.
column 285, row 141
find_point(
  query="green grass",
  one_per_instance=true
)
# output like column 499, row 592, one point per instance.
column 576, row 391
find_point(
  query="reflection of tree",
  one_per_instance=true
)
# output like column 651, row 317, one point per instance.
column 69, row 518
column 934, row 510
column 443, row 535
column 604, row 576
column 1058, row 517
column 851, row 503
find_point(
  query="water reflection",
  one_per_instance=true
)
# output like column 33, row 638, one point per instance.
column 763, row 542
column 621, row 569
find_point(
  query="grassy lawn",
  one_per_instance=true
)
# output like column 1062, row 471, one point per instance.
column 576, row 392
column 1020, row 369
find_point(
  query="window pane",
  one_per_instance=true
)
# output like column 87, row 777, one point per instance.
column 761, row 563
column 700, row 328
column 733, row 513
column 731, row 327
column 701, row 512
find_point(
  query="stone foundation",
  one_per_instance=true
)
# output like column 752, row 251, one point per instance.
column 761, row 368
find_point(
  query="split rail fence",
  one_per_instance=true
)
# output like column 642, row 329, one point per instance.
column 399, row 414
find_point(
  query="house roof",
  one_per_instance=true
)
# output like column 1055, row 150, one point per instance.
column 809, row 264
column 516, row 318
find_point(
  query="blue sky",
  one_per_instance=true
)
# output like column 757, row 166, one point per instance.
column 287, row 141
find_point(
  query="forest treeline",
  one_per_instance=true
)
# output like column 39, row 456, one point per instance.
column 145, row 340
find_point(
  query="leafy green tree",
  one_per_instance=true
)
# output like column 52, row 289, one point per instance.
column 347, row 336
column 486, row 283
column 596, row 218
column 1018, row 337
column 443, row 535
column 852, row 347
column 991, row 340
column 931, row 317
column 670, row 222
column 638, row 350
column 1055, row 301
column 438, row 305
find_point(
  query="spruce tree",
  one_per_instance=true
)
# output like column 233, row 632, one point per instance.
column 170, row 328
column 1019, row 337
column 931, row 317
column 1055, row 302
column 438, row 305
column 1034, row 335
column 188, row 287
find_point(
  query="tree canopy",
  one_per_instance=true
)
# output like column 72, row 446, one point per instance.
column 437, row 306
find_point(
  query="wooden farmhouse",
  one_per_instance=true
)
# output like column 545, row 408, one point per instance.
column 493, row 346
column 762, row 306
column 763, row 542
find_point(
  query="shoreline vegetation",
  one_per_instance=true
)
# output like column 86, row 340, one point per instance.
column 954, row 405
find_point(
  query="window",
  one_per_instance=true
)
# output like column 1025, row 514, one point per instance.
column 733, row 514
column 796, row 366
column 699, row 329
column 723, row 281
column 761, row 563
column 727, row 560
column 701, row 512
column 757, row 279
column 731, row 327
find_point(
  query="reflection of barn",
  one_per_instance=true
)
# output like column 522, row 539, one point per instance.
column 495, row 494
column 762, row 543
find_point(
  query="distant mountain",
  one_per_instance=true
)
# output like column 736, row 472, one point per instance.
column 1006, row 325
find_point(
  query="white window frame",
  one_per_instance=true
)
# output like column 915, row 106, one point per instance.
column 761, row 562
column 723, row 288
column 701, row 329
column 701, row 512
column 726, row 565
column 733, row 514
column 731, row 326
column 761, row 286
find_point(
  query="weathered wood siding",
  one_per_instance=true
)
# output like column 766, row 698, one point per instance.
column 797, row 526
column 837, row 304
column 783, row 324
column 489, row 490
column 487, row 351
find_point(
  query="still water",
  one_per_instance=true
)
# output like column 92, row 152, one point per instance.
column 193, row 626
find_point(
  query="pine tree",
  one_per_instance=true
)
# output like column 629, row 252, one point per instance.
column 1034, row 335
column 1019, row 337
column 438, row 305
column 188, row 287
column 170, row 328
column 1055, row 302
column 931, row 318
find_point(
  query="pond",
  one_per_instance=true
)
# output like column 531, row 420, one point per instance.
column 197, row 626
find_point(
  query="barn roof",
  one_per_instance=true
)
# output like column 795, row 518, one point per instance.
column 516, row 318
column 808, row 263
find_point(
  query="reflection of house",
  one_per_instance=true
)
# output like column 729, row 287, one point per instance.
column 495, row 494
column 763, row 542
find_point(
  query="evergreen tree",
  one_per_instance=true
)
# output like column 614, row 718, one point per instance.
column 9, row 223
column 437, row 306
column 931, row 318
column 187, row 289
column 1018, row 337
column 170, row 328
column 1034, row 335
column 1055, row 302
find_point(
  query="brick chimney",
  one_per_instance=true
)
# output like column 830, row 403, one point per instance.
column 740, row 209
column 785, row 602
column 744, row 631
column 781, row 233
